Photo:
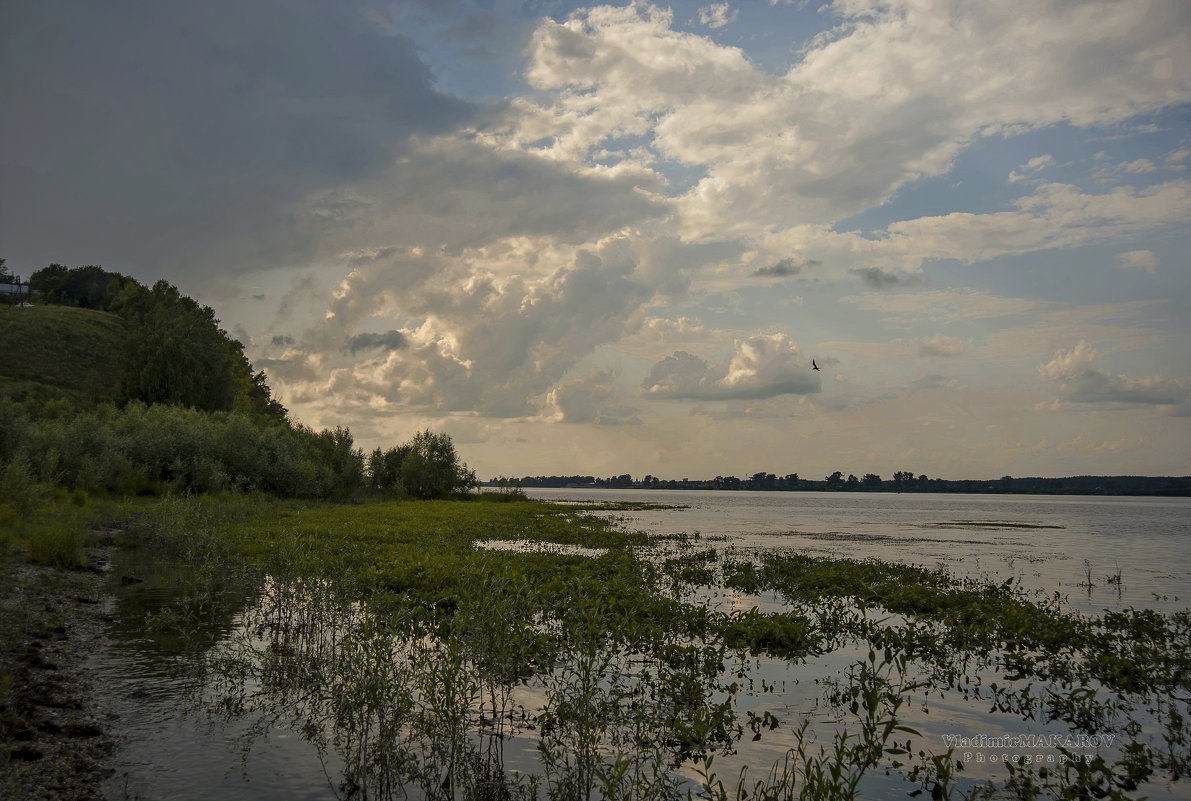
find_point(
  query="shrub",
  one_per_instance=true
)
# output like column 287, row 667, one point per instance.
column 58, row 542
column 19, row 487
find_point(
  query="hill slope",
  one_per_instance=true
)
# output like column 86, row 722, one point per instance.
column 49, row 352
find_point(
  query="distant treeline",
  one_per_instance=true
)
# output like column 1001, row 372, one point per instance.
column 902, row 481
column 163, row 400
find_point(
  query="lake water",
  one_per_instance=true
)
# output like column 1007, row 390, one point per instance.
column 1045, row 543
column 1040, row 540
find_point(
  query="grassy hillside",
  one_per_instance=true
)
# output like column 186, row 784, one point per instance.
column 49, row 352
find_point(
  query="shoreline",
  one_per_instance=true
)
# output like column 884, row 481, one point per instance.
column 55, row 742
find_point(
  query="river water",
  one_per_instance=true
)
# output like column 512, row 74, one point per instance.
column 1045, row 543
column 1040, row 540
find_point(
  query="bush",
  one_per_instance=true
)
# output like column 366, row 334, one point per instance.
column 19, row 487
column 58, row 542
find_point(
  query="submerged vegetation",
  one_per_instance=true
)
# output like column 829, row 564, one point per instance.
column 418, row 662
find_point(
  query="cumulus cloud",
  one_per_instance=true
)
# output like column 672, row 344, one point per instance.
column 457, row 191
column 889, row 96
column 591, row 400
column 1080, row 382
column 761, row 366
column 476, row 337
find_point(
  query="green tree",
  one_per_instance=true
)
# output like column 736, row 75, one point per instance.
column 176, row 353
column 343, row 465
column 384, row 468
column 431, row 468
column 89, row 287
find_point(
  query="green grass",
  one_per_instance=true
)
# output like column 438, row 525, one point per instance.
column 55, row 351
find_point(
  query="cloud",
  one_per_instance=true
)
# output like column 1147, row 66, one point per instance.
column 931, row 381
column 946, row 305
column 588, row 400
column 717, row 15
column 477, row 337
column 282, row 341
column 882, row 279
column 458, row 190
column 891, row 95
column 1111, row 172
column 1054, row 216
column 1175, row 159
column 1082, row 383
column 942, row 346
column 186, row 135
column 389, row 340
column 784, row 268
column 1031, row 167
column 761, row 366
column 1139, row 259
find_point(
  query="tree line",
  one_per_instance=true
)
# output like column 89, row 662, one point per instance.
column 189, row 414
column 902, row 481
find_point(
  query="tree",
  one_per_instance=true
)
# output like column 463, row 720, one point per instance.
column 176, row 353
column 90, row 286
column 431, row 468
column 384, row 468
column 342, row 465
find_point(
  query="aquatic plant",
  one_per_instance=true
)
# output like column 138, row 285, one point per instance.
column 412, row 658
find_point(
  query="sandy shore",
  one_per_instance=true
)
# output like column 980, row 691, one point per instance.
column 53, row 742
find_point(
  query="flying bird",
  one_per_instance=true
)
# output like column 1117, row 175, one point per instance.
column 813, row 365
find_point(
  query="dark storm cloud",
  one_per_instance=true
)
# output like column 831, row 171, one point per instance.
column 139, row 132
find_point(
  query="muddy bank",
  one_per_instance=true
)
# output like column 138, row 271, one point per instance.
column 54, row 744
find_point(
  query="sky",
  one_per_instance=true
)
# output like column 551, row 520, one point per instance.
column 608, row 239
